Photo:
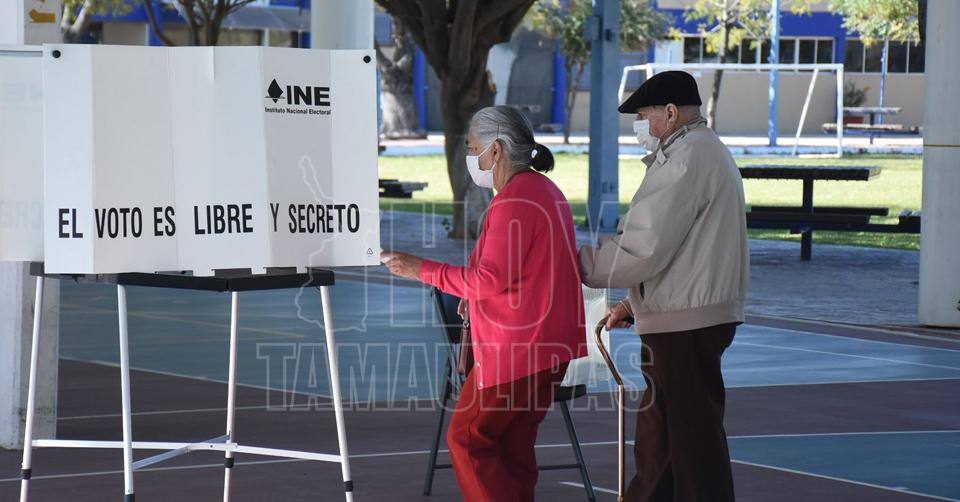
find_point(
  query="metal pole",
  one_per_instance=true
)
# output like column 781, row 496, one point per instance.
column 335, row 391
column 231, row 392
column 883, row 77
column 26, row 467
column 803, row 113
column 603, row 31
column 840, row 112
column 125, row 395
column 772, row 131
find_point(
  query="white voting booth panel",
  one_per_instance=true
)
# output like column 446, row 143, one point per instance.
column 21, row 154
column 205, row 158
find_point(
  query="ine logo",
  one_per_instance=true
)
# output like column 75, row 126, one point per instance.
column 303, row 95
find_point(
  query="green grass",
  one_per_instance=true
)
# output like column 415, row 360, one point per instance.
column 897, row 187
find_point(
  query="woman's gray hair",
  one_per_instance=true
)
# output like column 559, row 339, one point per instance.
column 515, row 133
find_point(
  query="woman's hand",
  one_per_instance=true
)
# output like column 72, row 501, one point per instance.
column 463, row 310
column 402, row 264
column 619, row 317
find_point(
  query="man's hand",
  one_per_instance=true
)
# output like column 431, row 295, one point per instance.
column 463, row 310
column 619, row 317
column 402, row 264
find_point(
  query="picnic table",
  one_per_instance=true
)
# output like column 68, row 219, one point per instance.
column 875, row 113
column 874, row 124
column 806, row 218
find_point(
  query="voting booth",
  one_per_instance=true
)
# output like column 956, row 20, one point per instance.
column 202, row 158
column 221, row 169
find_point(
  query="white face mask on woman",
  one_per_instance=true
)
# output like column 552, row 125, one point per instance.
column 482, row 178
column 642, row 129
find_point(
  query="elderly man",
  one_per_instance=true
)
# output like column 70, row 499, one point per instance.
column 681, row 249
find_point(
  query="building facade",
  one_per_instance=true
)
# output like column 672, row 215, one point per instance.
column 528, row 70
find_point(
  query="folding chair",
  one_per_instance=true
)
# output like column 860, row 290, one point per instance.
column 451, row 323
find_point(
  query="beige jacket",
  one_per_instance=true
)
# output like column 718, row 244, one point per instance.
column 681, row 248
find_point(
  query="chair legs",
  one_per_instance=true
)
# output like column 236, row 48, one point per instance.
column 575, row 443
column 448, row 390
column 432, row 464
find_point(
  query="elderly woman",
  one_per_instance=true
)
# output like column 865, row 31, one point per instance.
column 521, row 293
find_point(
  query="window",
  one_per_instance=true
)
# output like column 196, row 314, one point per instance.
column 872, row 62
column 824, row 51
column 788, row 51
column 915, row 58
column 710, row 56
column 691, row 49
column 807, row 53
column 902, row 57
column 792, row 50
column 853, row 56
column 748, row 51
column 897, row 57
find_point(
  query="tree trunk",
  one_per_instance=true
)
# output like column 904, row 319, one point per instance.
column 470, row 202
column 400, row 118
column 713, row 103
column 714, row 97
column 74, row 31
column 571, row 99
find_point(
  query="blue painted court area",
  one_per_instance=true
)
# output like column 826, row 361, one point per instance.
column 917, row 462
column 390, row 350
column 390, row 346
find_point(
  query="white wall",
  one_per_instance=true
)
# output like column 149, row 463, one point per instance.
column 743, row 101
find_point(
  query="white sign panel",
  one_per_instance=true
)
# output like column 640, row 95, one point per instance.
column 21, row 154
column 205, row 158
column 30, row 21
column 108, row 159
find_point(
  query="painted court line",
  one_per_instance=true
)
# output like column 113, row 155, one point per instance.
column 595, row 487
column 866, row 340
column 842, row 480
column 839, row 382
column 816, row 434
column 207, row 324
column 219, row 465
column 367, row 403
column 852, row 327
column 881, row 359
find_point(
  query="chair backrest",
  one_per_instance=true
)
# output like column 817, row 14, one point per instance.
column 450, row 320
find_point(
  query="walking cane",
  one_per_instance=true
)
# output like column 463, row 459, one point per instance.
column 616, row 376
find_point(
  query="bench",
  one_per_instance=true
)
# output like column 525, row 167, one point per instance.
column 910, row 221
column 871, row 129
column 849, row 219
column 801, row 222
column 400, row 189
column 870, row 211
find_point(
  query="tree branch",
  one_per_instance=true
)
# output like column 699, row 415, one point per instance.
column 503, row 28
column 461, row 36
column 434, row 15
column 495, row 10
column 148, row 8
column 382, row 58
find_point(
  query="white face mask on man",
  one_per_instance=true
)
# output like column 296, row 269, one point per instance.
column 482, row 178
column 642, row 130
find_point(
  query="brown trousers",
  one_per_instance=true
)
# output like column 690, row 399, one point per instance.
column 681, row 446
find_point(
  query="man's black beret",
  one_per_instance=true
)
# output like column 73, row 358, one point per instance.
column 677, row 87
